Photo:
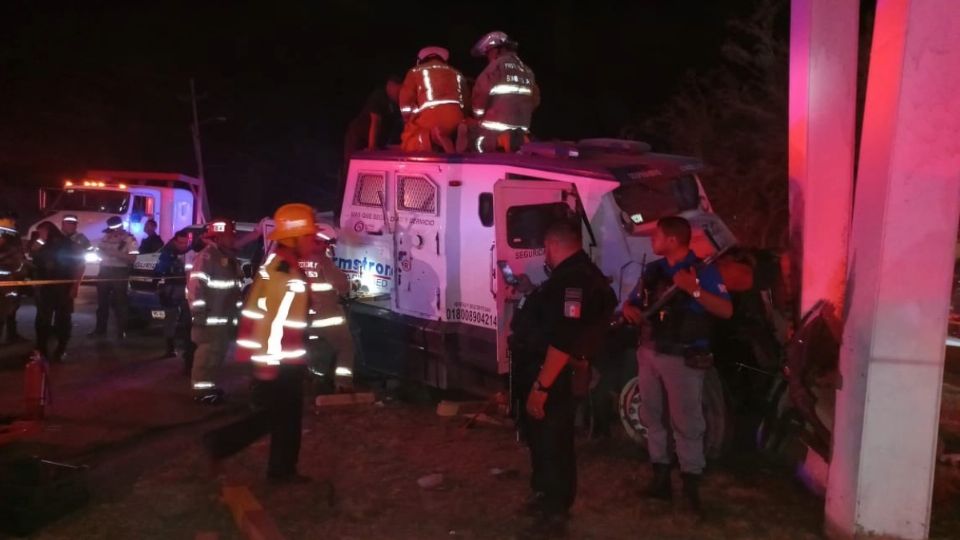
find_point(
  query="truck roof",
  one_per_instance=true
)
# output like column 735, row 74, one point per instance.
column 588, row 161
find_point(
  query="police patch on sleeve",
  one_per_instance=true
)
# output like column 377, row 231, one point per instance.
column 572, row 302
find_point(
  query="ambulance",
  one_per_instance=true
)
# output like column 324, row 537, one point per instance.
column 429, row 241
column 174, row 200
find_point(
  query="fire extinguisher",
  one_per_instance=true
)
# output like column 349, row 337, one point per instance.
column 36, row 391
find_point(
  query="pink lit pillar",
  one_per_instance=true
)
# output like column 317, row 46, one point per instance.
column 822, row 114
column 901, row 264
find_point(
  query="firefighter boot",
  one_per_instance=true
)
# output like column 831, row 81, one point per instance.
column 659, row 487
column 691, row 494
column 441, row 140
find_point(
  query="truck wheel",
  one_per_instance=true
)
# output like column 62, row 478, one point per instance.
column 716, row 412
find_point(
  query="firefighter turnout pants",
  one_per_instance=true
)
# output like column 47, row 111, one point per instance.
column 54, row 313
column 112, row 294
column 278, row 410
column 211, row 344
column 551, row 441
column 416, row 132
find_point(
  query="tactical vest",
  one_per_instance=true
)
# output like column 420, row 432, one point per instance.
column 675, row 326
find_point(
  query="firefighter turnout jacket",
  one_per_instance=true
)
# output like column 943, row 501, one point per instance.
column 274, row 319
column 432, row 97
column 213, row 288
column 505, row 95
column 429, row 85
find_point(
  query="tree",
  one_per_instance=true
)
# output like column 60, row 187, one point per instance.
column 734, row 117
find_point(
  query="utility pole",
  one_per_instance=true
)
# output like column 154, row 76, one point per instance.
column 195, row 129
column 198, row 151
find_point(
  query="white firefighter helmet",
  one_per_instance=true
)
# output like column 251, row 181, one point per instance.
column 427, row 52
column 492, row 40
column 326, row 232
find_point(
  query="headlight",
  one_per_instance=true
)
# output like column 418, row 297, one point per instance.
column 91, row 257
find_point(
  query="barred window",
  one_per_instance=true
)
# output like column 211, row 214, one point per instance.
column 416, row 194
column 371, row 190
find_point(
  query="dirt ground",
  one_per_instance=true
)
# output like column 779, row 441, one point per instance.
column 365, row 462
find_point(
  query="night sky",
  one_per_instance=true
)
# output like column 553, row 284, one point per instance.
column 102, row 85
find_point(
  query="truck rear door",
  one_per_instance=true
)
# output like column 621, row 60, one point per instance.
column 522, row 211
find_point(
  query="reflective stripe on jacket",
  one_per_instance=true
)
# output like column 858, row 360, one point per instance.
column 327, row 284
column 274, row 317
column 429, row 85
column 213, row 288
column 505, row 94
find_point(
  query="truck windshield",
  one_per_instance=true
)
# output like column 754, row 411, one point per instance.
column 650, row 199
column 79, row 200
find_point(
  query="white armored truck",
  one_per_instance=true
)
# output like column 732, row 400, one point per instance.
column 424, row 238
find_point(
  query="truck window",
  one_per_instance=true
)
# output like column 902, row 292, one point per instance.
column 371, row 190
column 485, row 209
column 416, row 194
column 109, row 202
column 142, row 206
column 649, row 199
column 527, row 224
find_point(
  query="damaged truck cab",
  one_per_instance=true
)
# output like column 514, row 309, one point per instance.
column 423, row 238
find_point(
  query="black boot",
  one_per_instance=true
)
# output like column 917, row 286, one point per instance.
column 691, row 493
column 659, row 487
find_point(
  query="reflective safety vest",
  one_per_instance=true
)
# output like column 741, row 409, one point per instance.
column 273, row 321
column 213, row 288
column 429, row 85
column 505, row 94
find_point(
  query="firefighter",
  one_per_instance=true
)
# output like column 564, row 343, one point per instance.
column 171, row 291
column 329, row 342
column 674, row 355
column 69, row 228
column 556, row 334
column 432, row 101
column 117, row 251
column 504, row 95
column 12, row 268
column 57, row 259
column 272, row 336
column 213, row 292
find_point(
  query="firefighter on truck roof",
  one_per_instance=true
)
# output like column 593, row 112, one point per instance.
column 432, row 100
column 504, row 96
column 272, row 336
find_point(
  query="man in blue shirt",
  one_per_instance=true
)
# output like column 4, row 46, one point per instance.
column 674, row 354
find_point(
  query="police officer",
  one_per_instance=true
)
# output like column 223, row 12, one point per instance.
column 171, row 291
column 117, row 250
column 12, row 268
column 674, row 354
column 59, row 259
column 69, row 228
column 556, row 331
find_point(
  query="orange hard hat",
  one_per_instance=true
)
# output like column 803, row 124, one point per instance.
column 293, row 220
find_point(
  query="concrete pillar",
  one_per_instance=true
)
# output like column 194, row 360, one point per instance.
column 822, row 115
column 901, row 264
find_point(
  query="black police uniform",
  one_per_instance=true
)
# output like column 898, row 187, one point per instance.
column 570, row 312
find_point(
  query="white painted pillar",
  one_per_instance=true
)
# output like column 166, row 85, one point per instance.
column 901, row 266
column 822, row 115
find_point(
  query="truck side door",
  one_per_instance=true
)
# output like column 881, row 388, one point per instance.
column 522, row 211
